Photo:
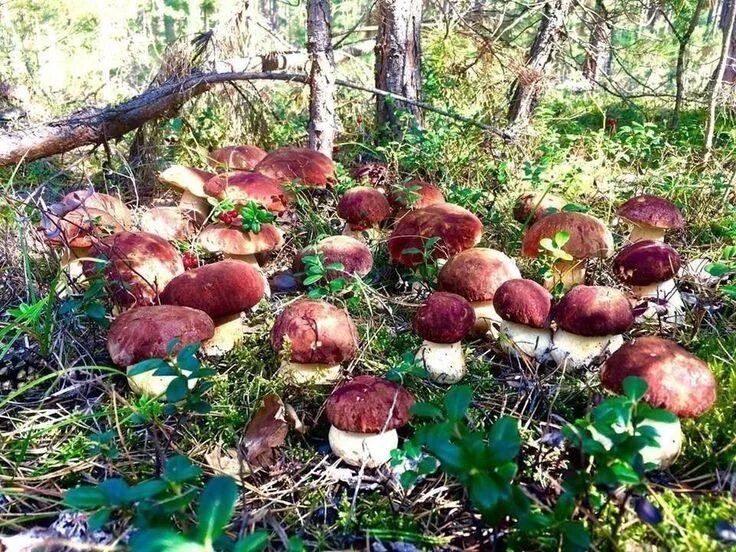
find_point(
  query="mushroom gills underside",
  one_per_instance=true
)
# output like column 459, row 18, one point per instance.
column 317, row 374
column 518, row 339
column 444, row 362
column 640, row 232
column 577, row 351
column 363, row 449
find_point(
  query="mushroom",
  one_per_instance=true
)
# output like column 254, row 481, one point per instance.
column 236, row 243
column 650, row 217
column 524, row 308
column 89, row 199
column 352, row 254
column 363, row 209
column 476, row 274
column 314, row 338
column 443, row 321
column 242, row 187
column 457, row 229
column 649, row 267
column 191, row 182
column 237, row 158
column 373, row 173
column 146, row 332
column 223, row 290
column 415, row 194
column 364, row 414
column 170, row 223
column 590, row 321
column 588, row 238
column 532, row 206
column 311, row 168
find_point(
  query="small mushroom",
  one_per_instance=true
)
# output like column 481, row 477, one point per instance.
column 310, row 168
column 190, row 182
column 372, row 173
column 363, row 209
column 590, row 321
column 236, row 158
column 89, row 199
column 650, row 217
column 364, row 414
column 242, row 187
column 524, row 308
column 415, row 194
column 170, row 223
column 314, row 338
column 443, row 321
column 352, row 254
column 532, row 206
column 236, row 243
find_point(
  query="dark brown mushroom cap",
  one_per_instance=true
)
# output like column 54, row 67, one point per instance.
column 186, row 179
column 649, row 210
column 374, row 173
column 646, row 262
column 589, row 237
column 138, row 267
column 233, row 240
column 239, row 158
column 533, row 206
column 219, row 289
column 457, row 229
column 363, row 207
column 171, row 223
column 368, row 404
column 444, row 318
column 317, row 333
column 476, row 273
column 311, row 168
column 678, row 380
column 87, row 199
column 242, row 187
column 352, row 254
column 593, row 311
column 144, row 332
column 414, row 194
column 523, row 302
column 79, row 228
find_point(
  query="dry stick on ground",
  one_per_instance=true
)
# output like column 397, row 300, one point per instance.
column 97, row 125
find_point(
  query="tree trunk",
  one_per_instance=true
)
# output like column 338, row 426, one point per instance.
column 598, row 58
column 321, row 77
column 398, row 60
column 728, row 35
column 551, row 33
column 684, row 41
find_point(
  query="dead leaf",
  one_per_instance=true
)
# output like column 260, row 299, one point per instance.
column 294, row 419
column 225, row 461
column 265, row 433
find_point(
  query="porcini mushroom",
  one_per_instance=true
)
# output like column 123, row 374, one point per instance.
column 363, row 209
column 190, row 182
column 354, row 256
column 650, row 217
column 242, row 187
column 89, row 199
column 373, row 173
column 236, row 158
column 236, row 243
column 524, row 308
column 532, row 206
column 314, row 338
column 364, row 414
column 443, row 321
column 310, row 168
column 415, row 194
column 170, row 223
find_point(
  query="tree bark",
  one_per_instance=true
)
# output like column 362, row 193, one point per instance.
column 684, row 42
column 321, row 77
column 728, row 33
column 398, row 60
column 729, row 73
column 550, row 35
column 598, row 57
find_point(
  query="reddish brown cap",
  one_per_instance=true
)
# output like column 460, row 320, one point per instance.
column 239, row 158
column 232, row 240
column 646, row 262
column 444, row 318
column 242, row 187
column 317, row 332
column 168, row 222
column 589, row 237
column 678, row 381
column 523, row 302
column 476, row 273
column 368, row 404
column 363, row 207
column 186, row 179
column 311, row 168
column 457, row 229
column 219, row 289
column 649, row 210
column 532, row 206
column 87, row 199
column 415, row 194
column 139, row 265
column 593, row 311
column 373, row 173
column 352, row 254
column 79, row 228
column 145, row 332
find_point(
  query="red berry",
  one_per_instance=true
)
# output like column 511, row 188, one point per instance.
column 190, row 260
column 229, row 217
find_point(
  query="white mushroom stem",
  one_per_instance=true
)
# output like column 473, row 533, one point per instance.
column 228, row 333
column 666, row 297
column 148, row 385
column 363, row 449
column 318, row 374
column 641, row 232
column 444, row 362
column 570, row 273
column 519, row 339
column 250, row 259
column 486, row 317
column 369, row 234
column 194, row 204
column 73, row 272
column 575, row 351
column 669, row 439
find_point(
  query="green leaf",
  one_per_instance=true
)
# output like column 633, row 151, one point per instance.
column 625, row 473
column 116, row 490
column 576, row 536
column 561, row 238
column 546, row 243
column 295, row 544
column 177, row 389
column 171, row 345
column 98, row 519
column 634, row 388
column 255, row 542
column 484, row 492
column 428, row 465
column 216, row 507
column 504, row 440
column 146, row 489
column 165, row 370
column 163, row 540
column 309, row 280
column 85, row 498
column 179, row 469
column 426, row 410
column 146, row 366
column 186, row 359
column 457, row 401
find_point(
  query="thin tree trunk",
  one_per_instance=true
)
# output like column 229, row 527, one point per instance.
column 398, row 60
column 597, row 59
column 684, row 42
column 321, row 77
column 728, row 33
column 525, row 91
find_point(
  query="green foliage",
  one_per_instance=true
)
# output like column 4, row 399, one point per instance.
column 253, row 216
column 321, row 278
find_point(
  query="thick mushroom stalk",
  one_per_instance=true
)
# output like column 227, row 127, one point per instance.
column 363, row 449
column 640, row 232
column 650, row 217
column 190, row 182
column 575, row 351
column 444, row 362
column 486, row 317
column 526, row 341
column 297, row 373
column 228, row 333
column 568, row 273
column 665, row 301
column 149, row 385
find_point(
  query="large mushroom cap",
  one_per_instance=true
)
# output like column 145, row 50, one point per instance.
column 589, row 237
column 222, row 238
column 646, row 262
column 311, row 168
column 444, row 318
column 593, row 311
column 218, row 289
column 79, row 228
column 363, row 207
column 171, row 223
column 316, row 333
column 532, row 206
column 457, row 229
column 523, row 302
column 649, row 210
column 145, row 332
column 414, row 194
column 138, row 267
column 239, row 158
column 352, row 254
column 368, row 404
column 186, row 179
column 678, row 381
column 87, row 199
column 242, row 187
column 476, row 273
column 372, row 172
